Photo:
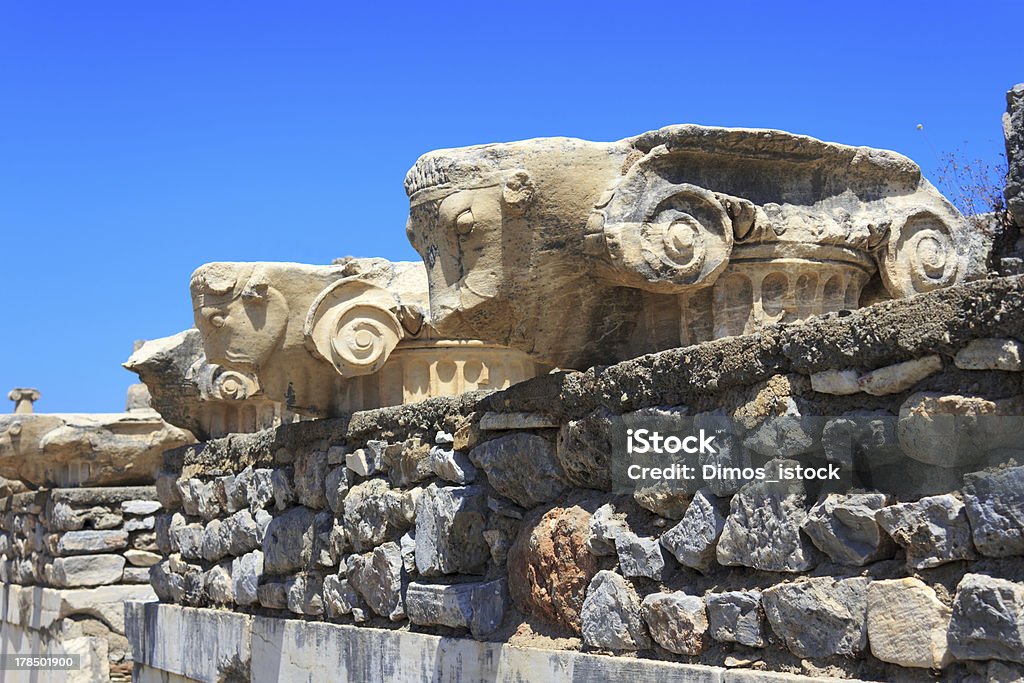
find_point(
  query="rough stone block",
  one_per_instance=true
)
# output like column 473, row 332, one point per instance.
column 340, row 598
column 819, row 617
column 141, row 558
column 678, row 622
column 310, row 473
column 907, row 624
column 694, row 540
column 373, row 513
column 86, row 570
column 140, row 508
column 246, row 572
column 449, row 530
column 611, row 615
column 895, row 379
column 988, row 619
column 336, row 485
column 844, row 528
column 835, row 382
column 995, row 507
column 639, row 556
column 379, row 577
column 83, row 542
column 288, row 543
column 736, row 617
column 452, row 465
column 933, row 530
column 479, row 607
column 305, row 594
column 991, row 354
column 521, row 467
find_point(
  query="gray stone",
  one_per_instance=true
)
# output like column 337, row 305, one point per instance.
column 336, row 487
column 736, row 617
column 83, row 542
column 259, row 489
column 479, row 607
column 933, row 530
column 991, row 354
column 86, row 570
column 168, row 585
column 143, row 524
column 310, row 473
column 995, row 508
column 140, row 507
column 189, row 540
column 63, row 517
column 199, row 498
column 379, row 578
column 665, row 498
column 611, row 615
column 861, row 440
column 408, row 463
column 273, row 594
column 284, row 494
column 844, row 528
column 336, row 455
column 242, row 532
column 730, row 453
column 639, row 556
column 763, row 527
column 819, row 617
column 288, row 544
column 246, row 572
column 583, row 449
column 325, row 552
column 452, row 465
column 340, row 598
column 135, row 575
column 373, row 513
column 988, row 619
column 785, row 435
column 218, row 587
column 521, row 467
column 306, row 594
column 604, row 528
column 367, row 461
column 678, row 622
column 216, row 541
column 694, row 540
column 449, row 530
column 408, row 545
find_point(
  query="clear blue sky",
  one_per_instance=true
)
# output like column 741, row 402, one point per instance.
column 139, row 140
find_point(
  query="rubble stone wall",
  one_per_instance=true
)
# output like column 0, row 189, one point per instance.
column 497, row 517
column 71, row 558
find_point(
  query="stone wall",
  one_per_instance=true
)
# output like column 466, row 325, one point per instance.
column 71, row 558
column 502, row 517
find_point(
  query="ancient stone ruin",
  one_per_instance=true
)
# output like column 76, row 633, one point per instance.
column 369, row 470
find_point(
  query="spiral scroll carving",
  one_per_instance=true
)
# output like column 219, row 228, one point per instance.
column 922, row 256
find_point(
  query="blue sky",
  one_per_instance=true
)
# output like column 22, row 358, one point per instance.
column 140, row 140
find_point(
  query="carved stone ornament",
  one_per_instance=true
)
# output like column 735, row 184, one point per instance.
column 328, row 340
column 582, row 253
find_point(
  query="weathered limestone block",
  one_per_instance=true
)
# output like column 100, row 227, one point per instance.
column 583, row 450
column 667, row 499
column 604, row 527
column 678, row 622
column 216, row 541
column 140, row 507
column 694, row 540
column 380, row 579
column 479, row 607
column 991, row 354
column 550, row 566
column 140, row 524
column 672, row 237
column 736, row 617
column 85, row 570
column 340, row 598
column 995, row 507
column 198, row 498
column 611, row 615
column 246, row 572
column 409, row 462
column 367, row 461
column 895, row 379
column 53, row 449
column 933, row 530
column 273, row 594
column 339, row 338
column 819, row 617
column 836, row 382
column 288, row 543
column 284, row 493
column 336, row 485
column 861, row 440
column 84, row 542
column 451, row 465
column 449, row 530
column 953, row 431
column 373, row 513
column 988, row 619
column 218, row 587
column 844, row 528
column 305, row 594
column 310, row 473
column 189, row 540
column 521, row 467
column 141, row 558
column 259, row 487
column 785, row 435
column 639, row 555
column 907, row 624
column 763, row 527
